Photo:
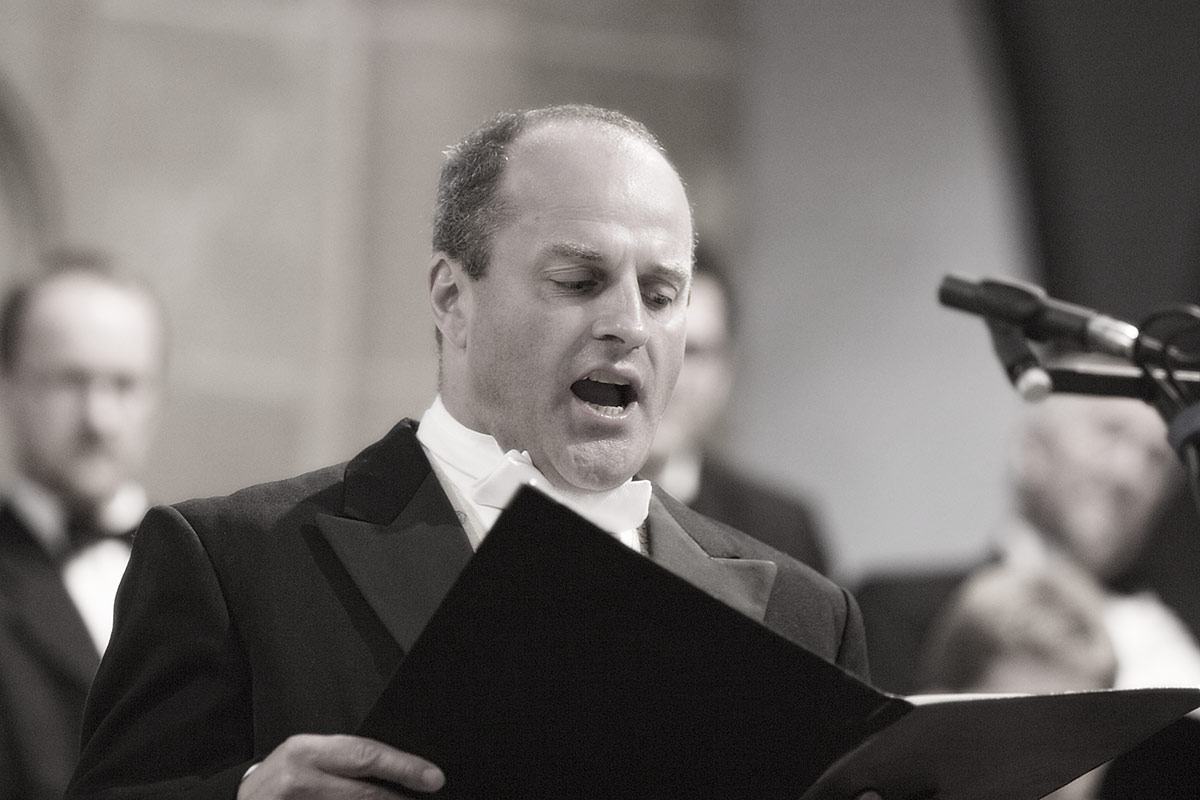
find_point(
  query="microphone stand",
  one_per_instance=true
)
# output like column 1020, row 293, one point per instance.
column 1113, row 380
column 1164, row 368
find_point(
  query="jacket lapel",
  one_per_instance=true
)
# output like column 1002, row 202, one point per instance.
column 40, row 607
column 401, row 543
column 742, row 583
column 399, row 538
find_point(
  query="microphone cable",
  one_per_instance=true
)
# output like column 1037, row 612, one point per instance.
column 1169, row 357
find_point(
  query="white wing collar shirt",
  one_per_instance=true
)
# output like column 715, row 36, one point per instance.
column 480, row 479
column 92, row 572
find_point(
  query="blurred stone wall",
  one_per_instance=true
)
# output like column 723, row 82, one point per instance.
column 270, row 166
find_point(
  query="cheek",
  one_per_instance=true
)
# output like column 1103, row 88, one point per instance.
column 144, row 407
column 47, row 419
column 512, row 374
column 137, row 430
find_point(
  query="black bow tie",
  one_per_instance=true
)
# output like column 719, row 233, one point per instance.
column 83, row 532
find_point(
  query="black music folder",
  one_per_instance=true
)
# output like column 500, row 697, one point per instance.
column 562, row 664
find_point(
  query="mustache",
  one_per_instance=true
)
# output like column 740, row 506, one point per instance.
column 92, row 442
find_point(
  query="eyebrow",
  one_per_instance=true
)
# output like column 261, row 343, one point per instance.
column 676, row 271
column 576, row 251
column 591, row 255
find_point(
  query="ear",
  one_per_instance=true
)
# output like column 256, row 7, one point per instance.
column 450, row 299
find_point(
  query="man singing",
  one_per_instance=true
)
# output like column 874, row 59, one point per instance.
column 251, row 640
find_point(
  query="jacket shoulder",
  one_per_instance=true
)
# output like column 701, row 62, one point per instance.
column 805, row 606
column 262, row 504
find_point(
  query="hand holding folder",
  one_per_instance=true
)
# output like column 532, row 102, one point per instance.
column 564, row 665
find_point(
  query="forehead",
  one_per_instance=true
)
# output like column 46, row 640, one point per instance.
column 1084, row 426
column 567, row 167
column 87, row 295
column 83, row 314
column 1115, row 415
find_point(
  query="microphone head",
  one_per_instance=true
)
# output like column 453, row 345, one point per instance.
column 1034, row 384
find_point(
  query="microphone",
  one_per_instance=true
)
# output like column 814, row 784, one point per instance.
column 1021, row 365
column 1157, row 365
column 1042, row 318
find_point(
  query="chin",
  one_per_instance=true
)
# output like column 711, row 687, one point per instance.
column 595, row 482
column 600, row 465
column 94, row 488
column 598, row 477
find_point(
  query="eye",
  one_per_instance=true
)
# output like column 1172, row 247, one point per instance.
column 67, row 380
column 659, row 295
column 579, row 286
column 659, row 299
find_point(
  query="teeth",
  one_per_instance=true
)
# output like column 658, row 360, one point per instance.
column 608, row 411
column 598, row 378
column 605, row 392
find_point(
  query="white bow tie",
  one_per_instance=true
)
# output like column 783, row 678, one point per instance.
column 616, row 511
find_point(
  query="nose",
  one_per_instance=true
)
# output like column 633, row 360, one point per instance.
column 102, row 401
column 622, row 315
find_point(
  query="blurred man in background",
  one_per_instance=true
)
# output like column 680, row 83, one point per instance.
column 1094, row 477
column 81, row 367
column 683, row 458
column 1091, row 480
column 1009, row 629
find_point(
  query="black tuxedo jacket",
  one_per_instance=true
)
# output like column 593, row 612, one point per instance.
column 784, row 522
column 286, row 607
column 47, row 661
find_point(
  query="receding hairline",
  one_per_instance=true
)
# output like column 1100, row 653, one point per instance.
column 542, row 129
column 26, row 298
column 127, row 285
column 538, row 124
column 539, row 129
column 595, row 117
column 474, row 191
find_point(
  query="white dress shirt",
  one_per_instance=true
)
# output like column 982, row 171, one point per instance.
column 92, row 574
column 467, row 461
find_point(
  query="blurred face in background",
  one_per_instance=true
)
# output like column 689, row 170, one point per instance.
column 83, row 392
column 706, row 378
column 1093, row 474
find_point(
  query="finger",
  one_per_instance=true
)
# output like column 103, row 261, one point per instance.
column 311, row 766
column 358, row 757
column 272, row 783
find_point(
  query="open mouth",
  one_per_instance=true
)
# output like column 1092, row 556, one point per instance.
column 608, row 395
